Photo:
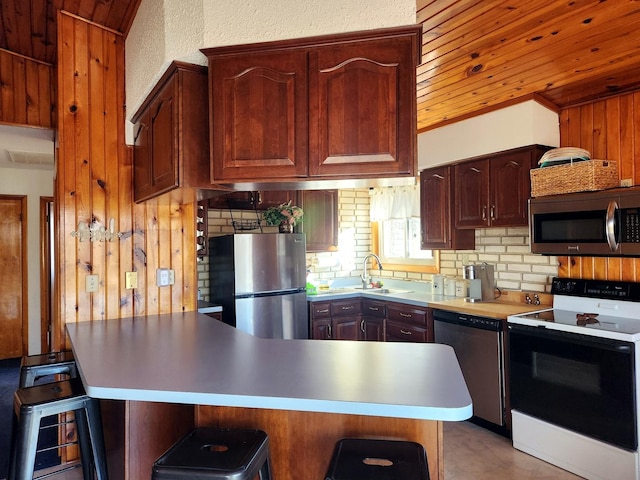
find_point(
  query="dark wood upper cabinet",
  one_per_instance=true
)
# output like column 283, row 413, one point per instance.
column 337, row 106
column 492, row 190
column 254, row 200
column 171, row 131
column 362, row 108
column 436, row 212
column 320, row 220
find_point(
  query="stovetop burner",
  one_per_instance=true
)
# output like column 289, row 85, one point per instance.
column 591, row 307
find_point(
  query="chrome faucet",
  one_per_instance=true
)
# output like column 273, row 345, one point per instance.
column 366, row 279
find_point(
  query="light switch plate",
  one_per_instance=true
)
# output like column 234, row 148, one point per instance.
column 92, row 283
column 130, row 280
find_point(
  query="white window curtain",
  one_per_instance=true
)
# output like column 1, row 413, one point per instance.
column 387, row 203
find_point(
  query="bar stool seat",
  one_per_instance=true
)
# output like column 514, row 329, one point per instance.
column 216, row 454
column 373, row 459
column 31, row 404
column 36, row 366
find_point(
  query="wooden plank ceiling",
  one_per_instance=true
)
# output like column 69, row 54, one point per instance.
column 477, row 54
column 480, row 54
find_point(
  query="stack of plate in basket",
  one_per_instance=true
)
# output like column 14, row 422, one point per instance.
column 571, row 169
column 559, row 156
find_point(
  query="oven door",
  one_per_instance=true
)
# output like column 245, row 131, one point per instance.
column 582, row 383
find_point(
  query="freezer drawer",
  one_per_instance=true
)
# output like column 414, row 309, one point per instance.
column 274, row 316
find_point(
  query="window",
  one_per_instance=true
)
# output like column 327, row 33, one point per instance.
column 395, row 216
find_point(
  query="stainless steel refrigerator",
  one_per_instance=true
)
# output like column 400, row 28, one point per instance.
column 259, row 279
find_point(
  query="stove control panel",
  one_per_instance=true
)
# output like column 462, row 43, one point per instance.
column 628, row 291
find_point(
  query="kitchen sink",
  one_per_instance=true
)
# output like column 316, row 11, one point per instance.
column 359, row 288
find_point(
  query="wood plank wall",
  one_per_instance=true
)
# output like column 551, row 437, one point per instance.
column 94, row 181
column 609, row 129
column 27, row 91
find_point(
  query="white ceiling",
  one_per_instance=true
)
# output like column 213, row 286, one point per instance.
column 33, row 145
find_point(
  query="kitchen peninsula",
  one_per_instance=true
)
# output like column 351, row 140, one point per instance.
column 305, row 394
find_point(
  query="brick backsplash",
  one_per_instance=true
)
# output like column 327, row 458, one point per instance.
column 505, row 248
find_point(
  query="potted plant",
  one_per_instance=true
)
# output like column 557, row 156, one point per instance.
column 285, row 215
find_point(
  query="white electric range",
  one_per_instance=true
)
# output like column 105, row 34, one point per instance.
column 574, row 387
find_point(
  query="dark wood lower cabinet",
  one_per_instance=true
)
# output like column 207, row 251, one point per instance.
column 372, row 320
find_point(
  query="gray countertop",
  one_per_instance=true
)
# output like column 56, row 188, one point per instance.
column 188, row 358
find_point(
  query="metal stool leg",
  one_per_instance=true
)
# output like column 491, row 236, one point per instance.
column 25, row 447
column 265, row 470
column 84, row 440
column 92, row 409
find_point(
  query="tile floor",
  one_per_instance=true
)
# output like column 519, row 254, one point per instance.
column 474, row 453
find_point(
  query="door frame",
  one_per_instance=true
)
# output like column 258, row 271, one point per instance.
column 46, row 272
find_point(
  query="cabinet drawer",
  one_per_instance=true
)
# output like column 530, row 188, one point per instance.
column 374, row 308
column 345, row 307
column 407, row 314
column 405, row 332
column 320, row 310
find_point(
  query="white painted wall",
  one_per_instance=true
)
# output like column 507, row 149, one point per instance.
column 525, row 123
column 34, row 183
column 167, row 30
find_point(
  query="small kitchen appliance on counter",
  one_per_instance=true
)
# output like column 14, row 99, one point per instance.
column 259, row 279
column 574, row 388
column 482, row 283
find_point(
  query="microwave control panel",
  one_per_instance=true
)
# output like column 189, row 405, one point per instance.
column 630, row 225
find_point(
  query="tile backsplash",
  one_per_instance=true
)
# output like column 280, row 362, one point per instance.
column 505, row 248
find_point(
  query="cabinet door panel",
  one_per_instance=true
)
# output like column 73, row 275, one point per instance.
column 321, row 329
column 372, row 328
column 142, row 170
column 359, row 98
column 346, row 328
column 510, row 189
column 436, row 212
column 165, row 174
column 259, row 109
column 472, row 194
column 320, row 220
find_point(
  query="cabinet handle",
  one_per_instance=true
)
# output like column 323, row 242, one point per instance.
column 474, row 169
column 257, row 200
column 405, row 315
column 492, row 212
column 439, row 177
column 329, row 331
column 326, row 310
column 375, row 309
column 362, row 326
column 405, row 332
column 484, row 212
column 350, row 307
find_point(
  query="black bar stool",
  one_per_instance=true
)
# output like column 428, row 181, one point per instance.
column 372, row 459
column 216, row 454
column 37, row 366
column 31, row 404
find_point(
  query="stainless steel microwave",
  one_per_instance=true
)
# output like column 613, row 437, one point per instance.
column 604, row 223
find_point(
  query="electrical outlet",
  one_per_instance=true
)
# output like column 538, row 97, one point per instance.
column 626, row 182
column 92, row 283
column 165, row 277
column 130, row 280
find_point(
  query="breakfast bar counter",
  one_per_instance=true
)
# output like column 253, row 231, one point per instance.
column 306, row 394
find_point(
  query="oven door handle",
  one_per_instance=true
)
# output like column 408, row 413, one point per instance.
column 610, row 225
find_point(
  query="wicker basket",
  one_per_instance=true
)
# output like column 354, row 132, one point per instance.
column 588, row 175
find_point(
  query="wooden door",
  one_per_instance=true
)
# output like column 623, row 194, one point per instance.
column 472, row 194
column 13, row 310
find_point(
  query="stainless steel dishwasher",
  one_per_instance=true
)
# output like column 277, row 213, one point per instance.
column 478, row 343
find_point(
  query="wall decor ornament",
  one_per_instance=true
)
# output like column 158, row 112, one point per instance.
column 95, row 232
